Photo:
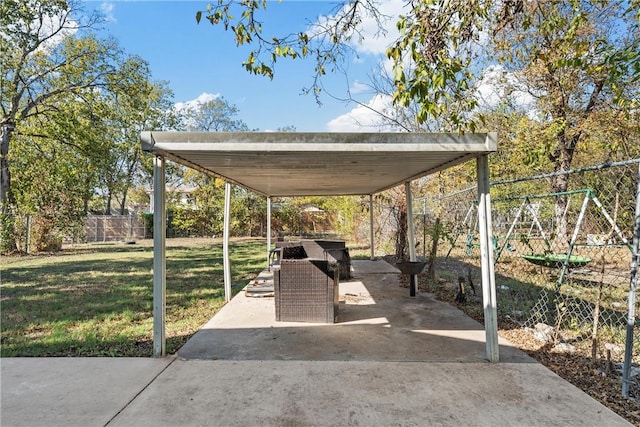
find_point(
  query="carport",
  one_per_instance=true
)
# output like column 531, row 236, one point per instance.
column 282, row 164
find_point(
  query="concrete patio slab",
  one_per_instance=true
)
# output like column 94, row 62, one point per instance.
column 321, row 393
column 377, row 321
column 71, row 391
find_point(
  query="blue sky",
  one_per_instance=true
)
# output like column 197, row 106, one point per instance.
column 201, row 59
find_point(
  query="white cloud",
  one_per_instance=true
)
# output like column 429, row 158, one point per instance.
column 495, row 86
column 374, row 35
column 191, row 105
column 374, row 41
column 359, row 87
column 490, row 89
column 55, row 28
column 201, row 99
column 107, row 8
column 499, row 86
column 363, row 116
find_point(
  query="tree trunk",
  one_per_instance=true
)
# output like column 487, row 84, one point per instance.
column 596, row 321
column 107, row 208
column 401, row 231
column 123, row 203
column 6, row 197
column 562, row 158
column 130, row 172
column 7, row 238
column 560, row 184
column 435, row 239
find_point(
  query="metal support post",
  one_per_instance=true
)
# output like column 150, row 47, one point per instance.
column 489, row 299
column 410, row 236
column 225, row 242
column 268, row 228
column 371, row 227
column 159, row 257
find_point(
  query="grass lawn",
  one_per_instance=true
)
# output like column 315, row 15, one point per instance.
column 97, row 299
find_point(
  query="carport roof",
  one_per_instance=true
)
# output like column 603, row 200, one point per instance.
column 318, row 164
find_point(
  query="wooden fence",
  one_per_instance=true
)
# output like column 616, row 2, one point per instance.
column 108, row 228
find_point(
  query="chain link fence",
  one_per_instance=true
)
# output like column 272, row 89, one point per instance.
column 564, row 261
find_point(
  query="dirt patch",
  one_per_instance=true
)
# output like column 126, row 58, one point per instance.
column 576, row 367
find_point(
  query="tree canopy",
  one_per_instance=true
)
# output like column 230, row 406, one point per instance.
column 72, row 109
column 562, row 65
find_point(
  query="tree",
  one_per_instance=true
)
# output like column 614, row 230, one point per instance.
column 205, row 215
column 56, row 199
column 215, row 115
column 139, row 106
column 575, row 58
column 45, row 62
column 327, row 42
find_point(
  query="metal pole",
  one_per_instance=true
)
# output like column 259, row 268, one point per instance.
column 536, row 221
column 268, row 228
column 489, row 299
column 572, row 242
column 511, row 228
column 225, row 242
column 633, row 286
column 410, row 234
column 424, row 228
column 159, row 257
column 371, row 227
column 611, row 221
column 464, row 224
column 549, row 175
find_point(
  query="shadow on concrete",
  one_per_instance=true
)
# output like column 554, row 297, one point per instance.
column 382, row 343
column 377, row 321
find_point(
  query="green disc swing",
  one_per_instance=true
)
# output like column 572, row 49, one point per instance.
column 568, row 260
column 550, row 259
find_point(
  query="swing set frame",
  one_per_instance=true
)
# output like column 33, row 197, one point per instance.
column 548, row 259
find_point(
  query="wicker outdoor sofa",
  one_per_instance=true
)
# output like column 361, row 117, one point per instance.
column 305, row 289
column 330, row 250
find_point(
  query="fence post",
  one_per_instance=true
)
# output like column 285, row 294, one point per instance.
column 130, row 230
column 633, row 285
column 28, row 236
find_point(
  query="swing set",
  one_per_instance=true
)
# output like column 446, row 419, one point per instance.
column 548, row 258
